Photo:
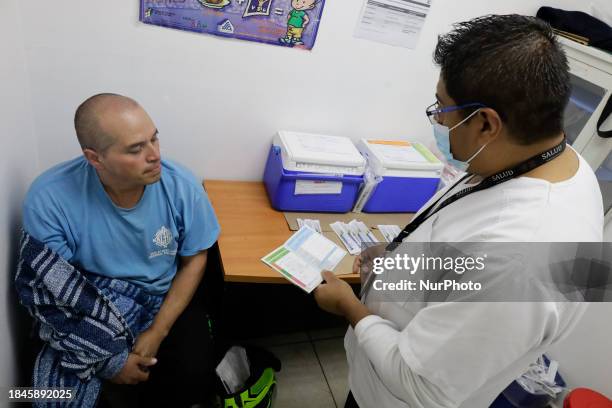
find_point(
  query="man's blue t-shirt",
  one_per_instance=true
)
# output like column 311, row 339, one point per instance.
column 68, row 209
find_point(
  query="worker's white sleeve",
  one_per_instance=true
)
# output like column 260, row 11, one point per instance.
column 379, row 338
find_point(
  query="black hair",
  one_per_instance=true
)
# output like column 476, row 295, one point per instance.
column 512, row 64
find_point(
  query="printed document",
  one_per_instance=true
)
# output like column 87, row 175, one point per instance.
column 393, row 22
column 303, row 257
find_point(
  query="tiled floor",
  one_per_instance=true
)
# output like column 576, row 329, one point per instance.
column 314, row 369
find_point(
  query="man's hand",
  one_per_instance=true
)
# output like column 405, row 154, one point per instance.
column 336, row 296
column 132, row 373
column 357, row 265
column 148, row 343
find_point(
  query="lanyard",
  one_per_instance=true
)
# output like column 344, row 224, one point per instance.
column 501, row 177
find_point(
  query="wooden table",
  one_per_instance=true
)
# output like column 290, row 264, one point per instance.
column 250, row 229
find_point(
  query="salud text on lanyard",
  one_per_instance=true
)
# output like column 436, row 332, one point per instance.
column 498, row 178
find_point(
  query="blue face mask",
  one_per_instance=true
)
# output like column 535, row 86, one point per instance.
column 442, row 135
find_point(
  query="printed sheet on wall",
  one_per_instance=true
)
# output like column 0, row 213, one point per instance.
column 290, row 23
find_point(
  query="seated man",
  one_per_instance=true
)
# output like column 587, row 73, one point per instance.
column 121, row 214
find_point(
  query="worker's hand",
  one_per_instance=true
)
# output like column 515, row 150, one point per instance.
column 148, row 342
column 335, row 295
column 132, row 371
column 363, row 262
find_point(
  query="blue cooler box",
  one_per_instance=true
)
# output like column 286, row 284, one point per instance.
column 410, row 175
column 298, row 178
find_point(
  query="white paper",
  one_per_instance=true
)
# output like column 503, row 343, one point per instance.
column 365, row 235
column 314, row 224
column 552, row 372
column 306, row 275
column 399, row 153
column 233, row 370
column 343, row 232
column 353, row 235
column 540, row 378
column 303, row 257
column 389, row 231
column 393, row 22
column 317, row 187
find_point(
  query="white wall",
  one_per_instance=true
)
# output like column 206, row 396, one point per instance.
column 19, row 162
column 214, row 114
column 217, row 117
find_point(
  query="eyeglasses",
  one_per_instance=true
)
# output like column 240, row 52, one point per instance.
column 434, row 110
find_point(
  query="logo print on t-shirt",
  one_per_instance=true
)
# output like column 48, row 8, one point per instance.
column 163, row 237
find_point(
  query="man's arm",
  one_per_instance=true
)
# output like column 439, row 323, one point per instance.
column 181, row 292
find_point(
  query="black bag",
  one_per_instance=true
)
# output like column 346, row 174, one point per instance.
column 577, row 22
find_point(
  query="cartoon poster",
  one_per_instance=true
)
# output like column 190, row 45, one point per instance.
column 290, row 23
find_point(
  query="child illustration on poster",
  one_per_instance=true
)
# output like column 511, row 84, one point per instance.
column 289, row 23
column 298, row 20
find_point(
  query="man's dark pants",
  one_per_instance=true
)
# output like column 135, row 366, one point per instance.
column 183, row 375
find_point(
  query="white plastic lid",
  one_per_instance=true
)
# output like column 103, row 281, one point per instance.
column 401, row 155
column 320, row 149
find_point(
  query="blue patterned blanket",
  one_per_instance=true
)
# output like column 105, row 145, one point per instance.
column 87, row 322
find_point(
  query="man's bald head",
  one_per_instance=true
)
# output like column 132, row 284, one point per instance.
column 90, row 116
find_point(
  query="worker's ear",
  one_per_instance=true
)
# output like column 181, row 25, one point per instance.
column 94, row 158
column 490, row 125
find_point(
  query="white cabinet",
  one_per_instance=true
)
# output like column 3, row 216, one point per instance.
column 591, row 71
